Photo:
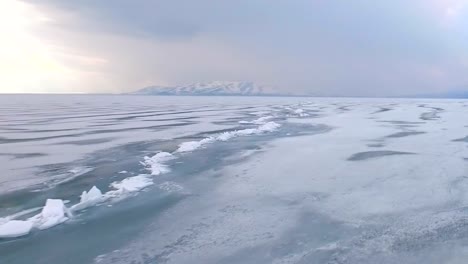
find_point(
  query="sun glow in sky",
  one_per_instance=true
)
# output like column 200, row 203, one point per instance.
column 26, row 64
column 333, row 47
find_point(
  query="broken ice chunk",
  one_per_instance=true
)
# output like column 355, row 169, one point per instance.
column 15, row 228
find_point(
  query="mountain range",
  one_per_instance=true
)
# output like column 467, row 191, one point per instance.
column 247, row 88
column 221, row 88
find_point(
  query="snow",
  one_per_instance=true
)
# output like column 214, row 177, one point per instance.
column 15, row 228
column 156, row 165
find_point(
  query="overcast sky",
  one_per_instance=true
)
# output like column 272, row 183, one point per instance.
column 321, row 47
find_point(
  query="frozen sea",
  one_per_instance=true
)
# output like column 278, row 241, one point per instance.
column 142, row 179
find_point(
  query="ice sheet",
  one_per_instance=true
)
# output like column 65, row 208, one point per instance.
column 387, row 184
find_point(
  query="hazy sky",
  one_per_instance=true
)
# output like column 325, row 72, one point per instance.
column 323, row 47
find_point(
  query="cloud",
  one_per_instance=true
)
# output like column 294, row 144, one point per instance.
column 321, row 47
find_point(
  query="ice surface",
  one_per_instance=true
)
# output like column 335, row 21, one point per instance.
column 258, row 121
column 156, row 165
column 15, row 228
column 170, row 187
column 343, row 200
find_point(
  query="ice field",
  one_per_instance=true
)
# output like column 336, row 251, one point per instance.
column 142, row 179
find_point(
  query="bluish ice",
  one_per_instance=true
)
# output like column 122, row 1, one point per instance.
column 146, row 179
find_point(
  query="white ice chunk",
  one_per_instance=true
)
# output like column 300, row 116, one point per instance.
column 88, row 199
column 245, row 132
column 300, row 112
column 156, row 165
column 93, row 194
column 193, row 145
column 53, row 213
column 226, row 136
column 130, row 185
column 15, row 228
column 269, row 127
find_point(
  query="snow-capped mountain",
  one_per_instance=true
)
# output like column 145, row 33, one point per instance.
column 209, row 88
